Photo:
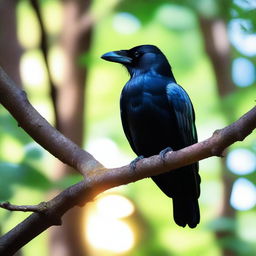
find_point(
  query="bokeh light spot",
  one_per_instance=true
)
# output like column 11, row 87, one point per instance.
column 243, row 195
column 111, row 235
column 115, row 206
column 105, row 230
column 32, row 69
column 242, row 40
column 243, row 72
column 241, row 161
column 246, row 4
column 126, row 23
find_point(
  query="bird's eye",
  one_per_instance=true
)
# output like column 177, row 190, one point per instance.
column 136, row 54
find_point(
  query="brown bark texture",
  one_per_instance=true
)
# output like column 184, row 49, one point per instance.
column 10, row 49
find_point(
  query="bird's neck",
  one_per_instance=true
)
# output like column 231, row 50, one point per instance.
column 152, row 72
column 164, row 70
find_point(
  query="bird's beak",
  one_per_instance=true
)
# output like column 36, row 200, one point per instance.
column 117, row 56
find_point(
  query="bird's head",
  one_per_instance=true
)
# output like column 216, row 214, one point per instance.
column 141, row 59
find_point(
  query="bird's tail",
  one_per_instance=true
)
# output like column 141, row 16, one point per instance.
column 186, row 211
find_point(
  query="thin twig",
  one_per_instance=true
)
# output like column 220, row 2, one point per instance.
column 45, row 50
column 24, row 208
column 100, row 180
column 97, row 178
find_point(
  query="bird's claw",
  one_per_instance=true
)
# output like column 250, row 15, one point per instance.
column 164, row 152
column 134, row 162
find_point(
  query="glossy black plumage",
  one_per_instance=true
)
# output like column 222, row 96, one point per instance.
column 157, row 113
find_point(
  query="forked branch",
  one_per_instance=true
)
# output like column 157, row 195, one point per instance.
column 97, row 178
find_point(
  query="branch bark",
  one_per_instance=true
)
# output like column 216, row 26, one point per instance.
column 24, row 208
column 97, row 178
column 10, row 48
column 15, row 101
column 100, row 180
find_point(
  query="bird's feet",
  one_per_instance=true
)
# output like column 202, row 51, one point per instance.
column 134, row 162
column 164, row 152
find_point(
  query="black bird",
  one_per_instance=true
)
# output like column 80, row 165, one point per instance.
column 158, row 114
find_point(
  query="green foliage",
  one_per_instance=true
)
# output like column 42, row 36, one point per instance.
column 173, row 26
column 135, row 7
column 222, row 224
column 18, row 159
column 248, row 14
column 21, row 174
column 8, row 125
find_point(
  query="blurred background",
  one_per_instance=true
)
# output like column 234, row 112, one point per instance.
column 52, row 49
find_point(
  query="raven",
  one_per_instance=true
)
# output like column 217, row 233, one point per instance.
column 158, row 114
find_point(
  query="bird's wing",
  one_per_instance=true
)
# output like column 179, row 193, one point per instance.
column 180, row 102
column 125, row 122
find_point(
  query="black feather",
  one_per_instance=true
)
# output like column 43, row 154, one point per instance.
column 157, row 113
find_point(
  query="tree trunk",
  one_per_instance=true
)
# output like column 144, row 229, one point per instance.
column 10, row 49
column 67, row 240
column 217, row 46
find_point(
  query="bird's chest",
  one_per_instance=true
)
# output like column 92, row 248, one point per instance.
column 144, row 99
column 146, row 111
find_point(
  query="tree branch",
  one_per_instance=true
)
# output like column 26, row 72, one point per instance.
column 24, row 208
column 97, row 179
column 16, row 102
column 45, row 51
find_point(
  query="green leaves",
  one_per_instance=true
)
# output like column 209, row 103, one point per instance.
column 21, row 174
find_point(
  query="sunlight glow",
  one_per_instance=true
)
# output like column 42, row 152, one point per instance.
column 241, row 161
column 105, row 228
column 107, row 152
column 109, row 234
column 115, row 206
column 243, row 196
